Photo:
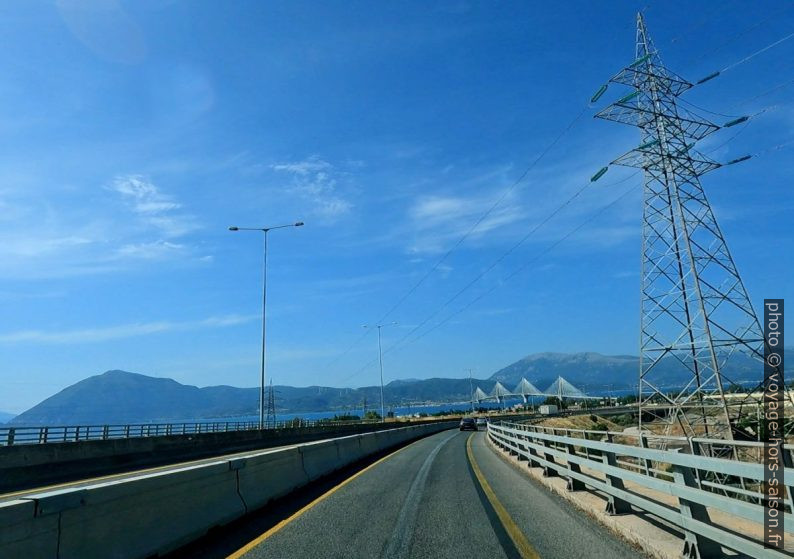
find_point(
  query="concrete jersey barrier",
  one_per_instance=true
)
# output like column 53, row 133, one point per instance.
column 155, row 513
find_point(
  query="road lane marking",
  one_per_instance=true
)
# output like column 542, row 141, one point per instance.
column 523, row 546
column 264, row 536
column 400, row 541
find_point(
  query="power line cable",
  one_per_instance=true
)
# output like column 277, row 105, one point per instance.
column 498, row 260
column 506, row 192
column 554, row 245
column 512, row 274
column 512, row 187
column 528, row 263
column 756, row 53
column 764, row 93
column 485, row 215
column 736, row 35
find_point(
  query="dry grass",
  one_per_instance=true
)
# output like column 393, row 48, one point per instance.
column 587, row 422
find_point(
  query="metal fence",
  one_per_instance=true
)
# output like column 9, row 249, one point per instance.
column 676, row 479
column 73, row 433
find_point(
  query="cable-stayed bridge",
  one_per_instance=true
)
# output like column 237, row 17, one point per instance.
column 560, row 388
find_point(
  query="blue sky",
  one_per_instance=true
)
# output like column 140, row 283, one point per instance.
column 135, row 133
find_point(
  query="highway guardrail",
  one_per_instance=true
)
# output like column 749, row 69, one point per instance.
column 656, row 467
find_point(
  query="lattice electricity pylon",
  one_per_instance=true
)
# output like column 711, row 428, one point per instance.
column 270, row 410
column 696, row 316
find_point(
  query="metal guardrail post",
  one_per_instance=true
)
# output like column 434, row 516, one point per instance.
column 695, row 546
column 615, row 505
column 105, row 430
column 11, row 435
column 644, row 444
column 548, row 471
column 573, row 483
column 43, row 434
column 533, row 455
column 520, row 456
column 696, row 450
column 587, row 449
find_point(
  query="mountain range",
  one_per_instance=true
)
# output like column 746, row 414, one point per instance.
column 124, row 397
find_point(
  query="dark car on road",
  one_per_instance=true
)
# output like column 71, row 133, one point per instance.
column 468, row 424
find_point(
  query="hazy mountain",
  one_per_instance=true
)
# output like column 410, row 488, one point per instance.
column 122, row 397
column 594, row 371
column 5, row 416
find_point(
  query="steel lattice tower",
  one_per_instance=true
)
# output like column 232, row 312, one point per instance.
column 696, row 316
column 270, row 415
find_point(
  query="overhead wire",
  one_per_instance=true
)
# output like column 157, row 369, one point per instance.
column 404, row 340
column 764, row 93
column 734, row 36
column 509, row 276
column 506, row 192
column 512, row 187
column 756, row 53
column 524, row 266
column 485, row 215
column 557, row 243
column 498, row 260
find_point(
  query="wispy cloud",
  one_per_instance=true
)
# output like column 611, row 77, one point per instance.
column 93, row 335
column 152, row 206
column 439, row 219
column 315, row 181
column 78, row 232
column 312, row 165
column 151, row 251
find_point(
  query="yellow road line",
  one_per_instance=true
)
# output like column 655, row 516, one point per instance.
column 523, row 546
column 261, row 538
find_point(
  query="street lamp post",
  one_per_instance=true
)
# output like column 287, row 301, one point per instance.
column 380, row 360
column 265, row 231
column 471, row 391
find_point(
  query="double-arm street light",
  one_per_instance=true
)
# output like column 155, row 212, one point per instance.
column 380, row 359
column 264, row 230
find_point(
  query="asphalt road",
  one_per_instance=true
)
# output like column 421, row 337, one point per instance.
column 426, row 501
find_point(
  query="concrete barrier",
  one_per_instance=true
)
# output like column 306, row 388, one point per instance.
column 174, row 507
column 320, row 457
column 34, row 465
column 270, row 475
column 24, row 535
column 150, row 514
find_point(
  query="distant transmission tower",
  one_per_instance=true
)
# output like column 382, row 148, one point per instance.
column 696, row 316
column 270, row 413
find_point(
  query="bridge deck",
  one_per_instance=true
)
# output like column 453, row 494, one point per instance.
column 425, row 500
